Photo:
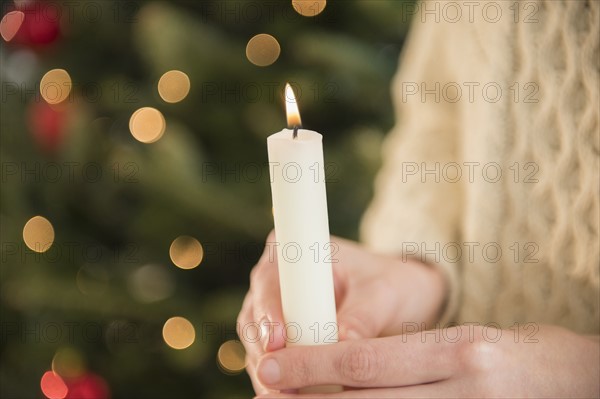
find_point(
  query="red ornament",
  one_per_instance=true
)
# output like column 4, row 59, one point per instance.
column 41, row 25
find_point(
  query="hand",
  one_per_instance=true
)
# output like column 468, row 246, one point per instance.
column 464, row 361
column 374, row 294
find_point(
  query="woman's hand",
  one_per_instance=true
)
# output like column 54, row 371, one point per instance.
column 375, row 296
column 464, row 361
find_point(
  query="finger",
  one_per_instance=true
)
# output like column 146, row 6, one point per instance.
column 253, row 349
column 259, row 388
column 244, row 320
column 267, row 311
column 380, row 362
column 340, row 282
column 442, row 389
column 358, row 318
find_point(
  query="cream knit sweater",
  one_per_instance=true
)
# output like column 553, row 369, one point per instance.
column 529, row 109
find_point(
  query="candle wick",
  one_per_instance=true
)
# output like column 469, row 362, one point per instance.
column 295, row 134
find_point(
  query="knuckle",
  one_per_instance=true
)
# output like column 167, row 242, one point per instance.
column 361, row 363
column 254, row 273
column 261, row 269
column 240, row 318
column 478, row 354
column 244, row 311
column 258, row 271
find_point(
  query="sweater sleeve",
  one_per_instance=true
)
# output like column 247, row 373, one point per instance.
column 415, row 211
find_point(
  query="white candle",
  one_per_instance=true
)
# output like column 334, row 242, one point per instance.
column 302, row 232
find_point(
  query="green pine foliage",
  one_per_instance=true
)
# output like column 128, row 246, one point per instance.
column 119, row 203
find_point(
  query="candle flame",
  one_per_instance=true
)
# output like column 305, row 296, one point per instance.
column 291, row 106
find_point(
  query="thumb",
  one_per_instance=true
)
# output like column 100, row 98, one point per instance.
column 365, row 313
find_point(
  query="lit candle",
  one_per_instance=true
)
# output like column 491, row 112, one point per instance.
column 303, row 247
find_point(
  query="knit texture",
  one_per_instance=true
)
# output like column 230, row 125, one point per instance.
column 522, row 247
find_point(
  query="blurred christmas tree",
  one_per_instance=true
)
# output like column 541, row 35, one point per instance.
column 90, row 290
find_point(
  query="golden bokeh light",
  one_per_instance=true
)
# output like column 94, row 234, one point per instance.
column 178, row 333
column 68, row 363
column 38, row 234
column 173, row 86
column 53, row 386
column 147, row 125
column 10, row 24
column 186, row 252
column 263, row 50
column 55, row 86
column 231, row 357
column 309, row 8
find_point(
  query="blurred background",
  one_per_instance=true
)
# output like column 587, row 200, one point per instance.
column 135, row 192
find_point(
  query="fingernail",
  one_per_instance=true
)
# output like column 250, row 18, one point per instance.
column 269, row 372
column 264, row 332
